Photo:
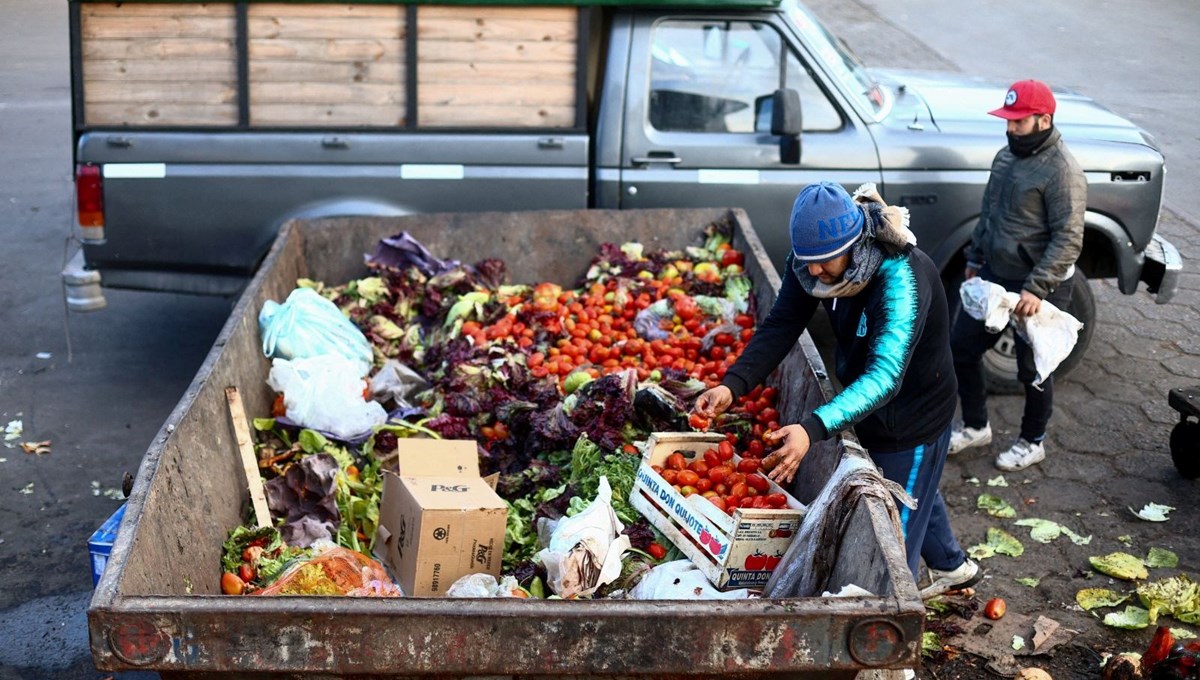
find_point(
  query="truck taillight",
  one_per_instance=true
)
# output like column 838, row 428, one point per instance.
column 89, row 201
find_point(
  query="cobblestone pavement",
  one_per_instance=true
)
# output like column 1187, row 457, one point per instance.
column 1108, row 447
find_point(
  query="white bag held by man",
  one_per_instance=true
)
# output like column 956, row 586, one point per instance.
column 1051, row 332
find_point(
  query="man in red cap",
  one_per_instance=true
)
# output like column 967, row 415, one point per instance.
column 1029, row 234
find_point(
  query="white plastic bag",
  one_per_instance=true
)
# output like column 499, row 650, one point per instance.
column 483, row 585
column 325, row 393
column 584, row 552
column 398, row 382
column 1051, row 333
column 307, row 325
column 681, row 580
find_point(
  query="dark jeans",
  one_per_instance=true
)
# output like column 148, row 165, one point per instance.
column 970, row 340
column 927, row 531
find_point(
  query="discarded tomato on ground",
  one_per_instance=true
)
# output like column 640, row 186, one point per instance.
column 994, row 608
column 231, row 584
column 657, row 550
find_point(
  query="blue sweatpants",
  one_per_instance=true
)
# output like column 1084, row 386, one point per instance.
column 927, row 530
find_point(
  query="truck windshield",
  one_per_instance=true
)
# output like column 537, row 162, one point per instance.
column 842, row 62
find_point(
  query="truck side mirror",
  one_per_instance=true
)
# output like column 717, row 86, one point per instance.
column 786, row 123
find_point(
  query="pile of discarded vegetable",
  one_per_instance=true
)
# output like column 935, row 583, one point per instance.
column 555, row 385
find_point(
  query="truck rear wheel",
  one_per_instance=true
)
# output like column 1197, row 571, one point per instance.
column 1000, row 362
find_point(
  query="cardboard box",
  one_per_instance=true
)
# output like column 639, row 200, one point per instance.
column 438, row 520
column 738, row 551
column 101, row 543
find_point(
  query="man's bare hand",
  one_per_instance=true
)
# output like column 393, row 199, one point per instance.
column 795, row 447
column 1028, row 305
column 713, row 402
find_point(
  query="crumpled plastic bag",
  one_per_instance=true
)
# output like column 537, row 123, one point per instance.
column 325, row 393
column 807, row 568
column 681, row 580
column 483, row 585
column 583, row 552
column 307, row 325
column 1051, row 333
column 397, row 382
column 336, row 571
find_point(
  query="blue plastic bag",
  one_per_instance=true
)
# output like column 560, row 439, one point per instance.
column 307, row 325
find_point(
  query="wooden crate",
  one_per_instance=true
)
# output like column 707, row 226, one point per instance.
column 159, row 64
column 738, row 551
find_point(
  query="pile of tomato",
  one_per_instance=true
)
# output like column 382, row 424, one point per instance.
column 592, row 328
column 715, row 475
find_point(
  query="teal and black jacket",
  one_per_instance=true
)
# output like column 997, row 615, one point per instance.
column 893, row 355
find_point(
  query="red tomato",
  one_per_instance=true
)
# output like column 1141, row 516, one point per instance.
column 732, row 256
column 769, row 393
column 721, row 488
column 757, row 482
column 725, row 450
column 657, row 468
column 755, row 448
column 676, row 461
column 231, row 584
column 748, row 465
column 670, row 476
column 699, row 467
column 740, row 490
column 719, row 473
column 768, row 414
column 719, row 502
column 711, row 458
column 744, row 320
column 246, row 573
column 704, row 484
column 657, row 551
column 687, row 478
column 777, row 500
column 698, row 422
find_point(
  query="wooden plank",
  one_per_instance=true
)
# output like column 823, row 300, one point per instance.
column 158, row 27
column 496, row 116
column 146, row 69
column 326, row 93
column 161, row 113
column 474, row 72
column 425, row 12
column 496, row 29
column 319, row 27
column 324, row 11
column 444, row 50
column 327, row 50
column 506, row 94
column 155, row 9
column 154, row 48
column 245, row 445
column 177, row 92
column 303, row 115
column 335, row 72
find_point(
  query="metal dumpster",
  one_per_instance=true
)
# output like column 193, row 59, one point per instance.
column 158, row 605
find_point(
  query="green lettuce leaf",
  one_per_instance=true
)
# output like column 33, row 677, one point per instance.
column 995, row 506
column 1133, row 618
column 1120, row 565
column 1161, row 558
column 1093, row 598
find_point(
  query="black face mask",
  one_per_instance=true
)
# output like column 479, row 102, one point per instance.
column 1023, row 146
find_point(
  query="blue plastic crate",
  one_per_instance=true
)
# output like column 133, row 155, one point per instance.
column 101, row 543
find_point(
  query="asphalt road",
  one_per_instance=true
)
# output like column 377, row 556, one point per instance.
column 98, row 386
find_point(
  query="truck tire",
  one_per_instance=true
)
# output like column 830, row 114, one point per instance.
column 1000, row 362
column 1185, row 448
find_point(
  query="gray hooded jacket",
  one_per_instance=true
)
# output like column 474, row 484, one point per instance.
column 1031, row 223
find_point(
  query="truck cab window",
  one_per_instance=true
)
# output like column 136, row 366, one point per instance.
column 707, row 75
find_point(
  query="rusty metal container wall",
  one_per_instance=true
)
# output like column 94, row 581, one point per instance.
column 157, row 605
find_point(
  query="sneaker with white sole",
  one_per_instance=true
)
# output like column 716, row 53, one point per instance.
column 1021, row 455
column 966, row 575
column 963, row 437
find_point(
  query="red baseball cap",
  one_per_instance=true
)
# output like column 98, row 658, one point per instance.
column 1026, row 98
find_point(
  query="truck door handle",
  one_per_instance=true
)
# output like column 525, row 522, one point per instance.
column 335, row 143
column 119, row 142
column 656, row 157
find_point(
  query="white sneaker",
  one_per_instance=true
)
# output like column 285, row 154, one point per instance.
column 962, row 437
column 966, row 575
column 1021, row 455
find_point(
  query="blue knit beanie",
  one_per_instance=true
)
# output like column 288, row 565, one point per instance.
column 825, row 223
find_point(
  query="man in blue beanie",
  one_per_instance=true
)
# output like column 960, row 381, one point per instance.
column 857, row 257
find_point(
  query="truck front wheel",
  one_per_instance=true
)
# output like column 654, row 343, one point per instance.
column 1000, row 363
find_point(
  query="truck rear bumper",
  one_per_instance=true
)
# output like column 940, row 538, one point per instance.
column 1161, row 268
column 81, row 286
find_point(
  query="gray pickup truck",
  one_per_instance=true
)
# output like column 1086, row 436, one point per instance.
column 200, row 128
